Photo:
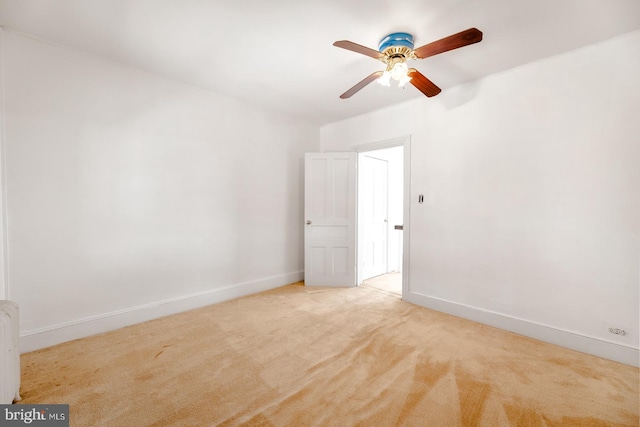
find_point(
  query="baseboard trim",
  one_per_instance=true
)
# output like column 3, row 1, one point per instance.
column 81, row 328
column 597, row 347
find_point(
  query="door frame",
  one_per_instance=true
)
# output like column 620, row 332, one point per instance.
column 405, row 142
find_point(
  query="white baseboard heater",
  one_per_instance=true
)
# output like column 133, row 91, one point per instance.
column 9, row 353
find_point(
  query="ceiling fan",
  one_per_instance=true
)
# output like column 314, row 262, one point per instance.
column 396, row 48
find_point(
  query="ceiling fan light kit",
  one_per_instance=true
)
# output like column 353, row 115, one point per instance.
column 396, row 48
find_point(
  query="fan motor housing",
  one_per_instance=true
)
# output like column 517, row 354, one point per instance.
column 396, row 45
column 396, row 39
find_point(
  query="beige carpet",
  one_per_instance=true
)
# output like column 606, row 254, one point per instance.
column 390, row 282
column 299, row 356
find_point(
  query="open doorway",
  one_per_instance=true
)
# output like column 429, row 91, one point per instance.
column 333, row 248
column 380, row 218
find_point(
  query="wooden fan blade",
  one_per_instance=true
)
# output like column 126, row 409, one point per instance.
column 422, row 83
column 354, row 47
column 371, row 77
column 461, row 39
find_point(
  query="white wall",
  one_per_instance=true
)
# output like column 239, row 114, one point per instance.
column 531, row 177
column 130, row 196
column 4, row 291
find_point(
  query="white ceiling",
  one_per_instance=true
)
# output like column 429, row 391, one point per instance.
column 278, row 53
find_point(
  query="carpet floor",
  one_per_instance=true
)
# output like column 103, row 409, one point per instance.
column 300, row 356
column 390, row 282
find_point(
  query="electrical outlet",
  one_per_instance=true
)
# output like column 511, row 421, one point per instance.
column 618, row 331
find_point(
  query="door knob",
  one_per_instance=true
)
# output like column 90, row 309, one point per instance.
column 308, row 222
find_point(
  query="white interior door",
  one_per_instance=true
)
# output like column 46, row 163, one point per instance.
column 374, row 211
column 330, row 219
